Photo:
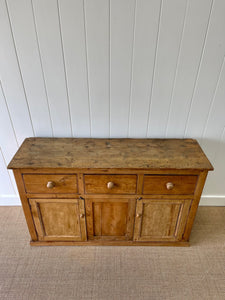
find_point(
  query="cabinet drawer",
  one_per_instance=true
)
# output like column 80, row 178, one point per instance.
column 50, row 183
column 110, row 184
column 169, row 184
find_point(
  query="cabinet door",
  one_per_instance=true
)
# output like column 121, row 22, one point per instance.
column 160, row 220
column 59, row 219
column 110, row 219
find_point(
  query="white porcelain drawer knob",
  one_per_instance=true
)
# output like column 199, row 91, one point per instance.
column 169, row 185
column 50, row 184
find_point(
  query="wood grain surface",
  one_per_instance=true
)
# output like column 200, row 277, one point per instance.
column 110, row 153
column 58, row 219
column 110, row 218
column 122, row 184
column 183, row 185
column 160, row 220
column 37, row 183
column 102, row 191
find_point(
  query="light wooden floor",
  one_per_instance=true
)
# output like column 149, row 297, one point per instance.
column 30, row 273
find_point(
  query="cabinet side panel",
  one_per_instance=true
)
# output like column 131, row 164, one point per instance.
column 194, row 206
column 25, row 204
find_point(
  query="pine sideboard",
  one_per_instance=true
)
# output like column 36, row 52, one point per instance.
column 78, row 191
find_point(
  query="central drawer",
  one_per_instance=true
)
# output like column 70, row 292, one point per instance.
column 110, row 184
column 50, row 183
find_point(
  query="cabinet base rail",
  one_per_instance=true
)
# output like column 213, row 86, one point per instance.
column 109, row 243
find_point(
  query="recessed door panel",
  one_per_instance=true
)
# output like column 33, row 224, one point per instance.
column 110, row 218
column 160, row 220
column 59, row 219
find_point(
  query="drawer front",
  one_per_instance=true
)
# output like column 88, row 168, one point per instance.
column 50, row 183
column 110, row 184
column 169, row 184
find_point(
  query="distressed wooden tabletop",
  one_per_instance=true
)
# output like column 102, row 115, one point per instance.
column 110, row 153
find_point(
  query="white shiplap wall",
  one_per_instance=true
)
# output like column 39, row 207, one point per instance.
column 113, row 68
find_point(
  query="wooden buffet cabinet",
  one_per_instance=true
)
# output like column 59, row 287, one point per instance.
column 110, row 191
